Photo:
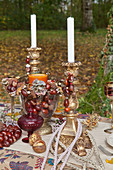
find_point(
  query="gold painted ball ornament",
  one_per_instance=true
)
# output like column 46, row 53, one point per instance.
column 34, row 137
column 39, row 146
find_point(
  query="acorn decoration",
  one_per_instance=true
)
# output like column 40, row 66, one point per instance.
column 37, row 143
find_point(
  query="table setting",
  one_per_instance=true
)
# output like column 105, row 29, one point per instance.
column 36, row 137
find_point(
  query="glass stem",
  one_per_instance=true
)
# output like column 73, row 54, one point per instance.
column 112, row 111
column 12, row 106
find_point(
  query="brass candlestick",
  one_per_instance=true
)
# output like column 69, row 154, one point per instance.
column 34, row 54
column 71, row 124
column 71, row 104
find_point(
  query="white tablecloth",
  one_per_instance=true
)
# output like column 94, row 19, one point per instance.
column 98, row 134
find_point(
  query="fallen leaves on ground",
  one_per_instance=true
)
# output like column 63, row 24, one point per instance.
column 13, row 54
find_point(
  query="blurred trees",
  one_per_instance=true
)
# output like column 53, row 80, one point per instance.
column 15, row 14
column 87, row 15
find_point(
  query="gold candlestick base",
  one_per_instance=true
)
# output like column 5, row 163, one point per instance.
column 70, row 128
column 46, row 128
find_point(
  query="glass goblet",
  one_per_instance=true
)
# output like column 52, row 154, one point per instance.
column 108, row 90
column 11, row 90
column 29, row 122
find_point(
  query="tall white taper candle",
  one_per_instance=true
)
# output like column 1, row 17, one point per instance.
column 33, row 31
column 70, row 37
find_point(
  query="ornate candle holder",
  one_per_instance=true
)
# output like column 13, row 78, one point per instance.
column 71, row 103
column 34, row 54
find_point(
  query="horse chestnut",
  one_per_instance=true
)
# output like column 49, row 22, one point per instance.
column 24, row 92
column 66, row 102
column 48, row 86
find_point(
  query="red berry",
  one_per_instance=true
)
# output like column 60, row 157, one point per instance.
column 67, row 109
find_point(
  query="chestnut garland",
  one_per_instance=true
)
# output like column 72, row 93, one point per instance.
column 68, row 90
column 28, row 67
column 9, row 135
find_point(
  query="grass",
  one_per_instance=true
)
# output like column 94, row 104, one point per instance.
column 48, row 34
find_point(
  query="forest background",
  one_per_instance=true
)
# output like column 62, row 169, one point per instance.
column 91, row 20
column 51, row 14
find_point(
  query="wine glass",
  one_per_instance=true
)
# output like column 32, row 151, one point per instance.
column 10, row 85
column 108, row 90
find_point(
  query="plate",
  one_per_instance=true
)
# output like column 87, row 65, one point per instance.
column 110, row 140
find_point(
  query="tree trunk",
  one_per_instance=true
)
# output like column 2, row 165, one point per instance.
column 87, row 14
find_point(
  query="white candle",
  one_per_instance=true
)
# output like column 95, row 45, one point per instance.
column 33, row 31
column 70, row 37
